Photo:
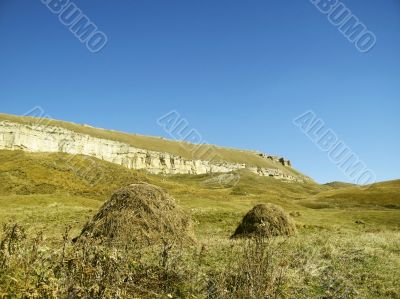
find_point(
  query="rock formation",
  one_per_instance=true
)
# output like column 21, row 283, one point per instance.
column 41, row 138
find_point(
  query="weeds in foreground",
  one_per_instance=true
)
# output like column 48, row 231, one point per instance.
column 259, row 273
column 29, row 269
column 310, row 266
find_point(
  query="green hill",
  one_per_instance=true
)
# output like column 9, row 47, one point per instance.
column 55, row 180
column 184, row 149
column 385, row 194
column 338, row 185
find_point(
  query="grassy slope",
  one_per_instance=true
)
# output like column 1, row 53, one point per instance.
column 386, row 195
column 51, row 191
column 184, row 149
column 338, row 185
column 23, row 173
column 51, row 186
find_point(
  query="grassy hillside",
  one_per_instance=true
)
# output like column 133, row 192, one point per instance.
column 383, row 195
column 338, row 185
column 52, row 182
column 23, row 173
column 184, row 149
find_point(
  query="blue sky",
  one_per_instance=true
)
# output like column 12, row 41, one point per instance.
column 238, row 71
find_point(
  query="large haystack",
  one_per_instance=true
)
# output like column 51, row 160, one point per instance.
column 136, row 216
column 265, row 220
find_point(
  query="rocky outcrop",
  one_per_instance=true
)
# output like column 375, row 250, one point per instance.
column 41, row 138
column 280, row 160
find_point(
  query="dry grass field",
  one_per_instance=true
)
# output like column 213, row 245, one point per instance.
column 347, row 243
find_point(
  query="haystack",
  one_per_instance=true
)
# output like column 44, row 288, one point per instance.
column 265, row 220
column 136, row 216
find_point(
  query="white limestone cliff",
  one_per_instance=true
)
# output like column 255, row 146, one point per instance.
column 41, row 138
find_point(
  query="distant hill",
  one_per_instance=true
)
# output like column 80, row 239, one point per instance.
column 338, row 185
column 23, row 173
column 158, row 155
column 383, row 194
column 58, row 188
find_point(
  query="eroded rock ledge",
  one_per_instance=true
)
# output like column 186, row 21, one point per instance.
column 40, row 138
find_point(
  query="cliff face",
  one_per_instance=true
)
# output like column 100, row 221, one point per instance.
column 40, row 138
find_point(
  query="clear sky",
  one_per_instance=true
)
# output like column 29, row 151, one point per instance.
column 238, row 71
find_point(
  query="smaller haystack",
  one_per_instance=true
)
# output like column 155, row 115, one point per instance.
column 265, row 220
column 136, row 216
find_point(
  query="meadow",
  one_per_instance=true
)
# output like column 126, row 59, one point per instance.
column 347, row 245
